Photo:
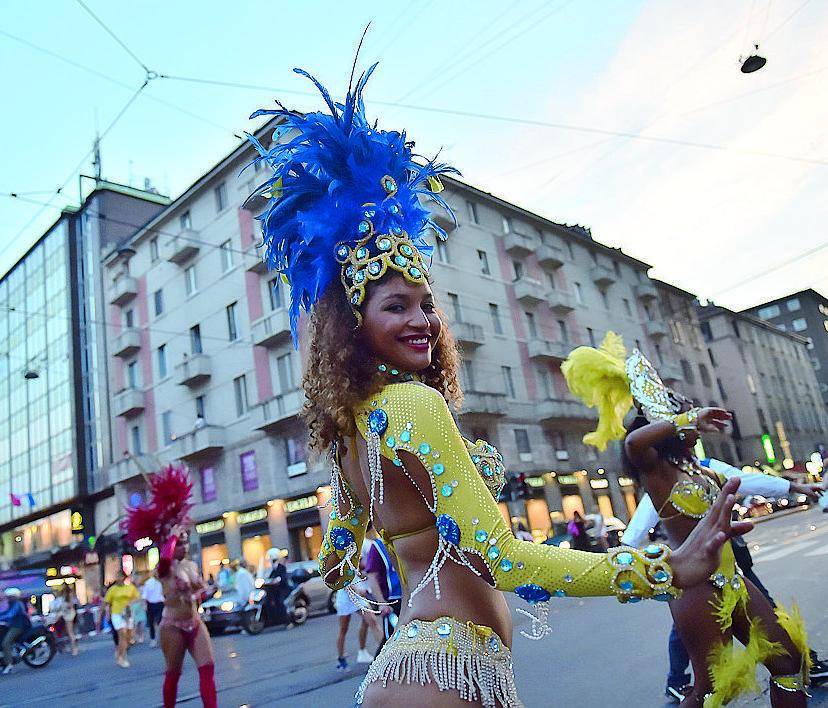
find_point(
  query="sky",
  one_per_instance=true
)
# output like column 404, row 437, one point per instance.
column 626, row 116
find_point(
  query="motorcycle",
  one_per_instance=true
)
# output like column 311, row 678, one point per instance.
column 36, row 647
column 259, row 613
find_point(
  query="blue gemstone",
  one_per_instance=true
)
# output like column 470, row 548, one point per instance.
column 439, row 468
column 634, row 599
column 505, row 565
column 661, row 576
column 362, row 252
column 626, row 585
column 481, row 535
column 394, row 208
column 396, row 230
column 415, row 272
column 364, row 227
column 400, row 261
column 406, row 250
column 625, row 558
column 342, row 252
column 494, row 644
column 374, row 268
column 405, row 436
column 663, row 597
column 532, row 593
column 355, row 298
column 493, row 552
column 382, row 367
column 424, row 448
column 413, row 631
column 447, row 490
column 475, row 458
column 653, row 550
column 359, row 276
column 341, row 538
column 568, row 578
column 560, row 593
column 388, row 184
column 448, row 529
column 354, row 522
column 349, row 271
column 369, row 213
column 332, row 515
column 378, row 421
column 487, row 471
column 384, row 244
column 389, row 441
column 397, row 461
column 444, row 629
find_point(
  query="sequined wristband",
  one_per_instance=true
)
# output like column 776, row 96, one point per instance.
column 642, row 574
column 685, row 420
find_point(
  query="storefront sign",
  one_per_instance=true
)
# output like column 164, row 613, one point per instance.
column 208, row 484
column 599, row 483
column 534, row 481
column 143, row 543
column 625, row 482
column 77, row 522
column 250, row 478
column 293, row 505
column 210, row 526
column 249, row 517
column 567, row 479
column 51, row 572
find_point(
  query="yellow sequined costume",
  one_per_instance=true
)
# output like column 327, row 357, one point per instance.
column 415, row 418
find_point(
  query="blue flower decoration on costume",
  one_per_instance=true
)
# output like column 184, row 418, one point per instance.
column 532, row 593
column 378, row 421
column 341, row 538
column 448, row 529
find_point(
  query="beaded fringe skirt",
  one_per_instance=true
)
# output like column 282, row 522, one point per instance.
column 463, row 657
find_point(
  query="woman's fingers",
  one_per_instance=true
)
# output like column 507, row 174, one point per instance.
column 739, row 528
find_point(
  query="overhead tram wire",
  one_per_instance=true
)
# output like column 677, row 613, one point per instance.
column 106, row 29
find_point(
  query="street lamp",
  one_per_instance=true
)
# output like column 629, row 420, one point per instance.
column 753, row 63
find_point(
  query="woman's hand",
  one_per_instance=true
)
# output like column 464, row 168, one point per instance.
column 812, row 491
column 711, row 420
column 698, row 557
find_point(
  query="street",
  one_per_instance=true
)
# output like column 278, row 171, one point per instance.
column 599, row 654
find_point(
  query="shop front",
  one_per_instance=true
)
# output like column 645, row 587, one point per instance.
column 255, row 536
column 601, row 494
column 628, row 492
column 533, row 510
column 571, row 499
column 213, row 543
column 304, row 527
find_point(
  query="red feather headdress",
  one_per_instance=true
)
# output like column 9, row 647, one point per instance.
column 169, row 504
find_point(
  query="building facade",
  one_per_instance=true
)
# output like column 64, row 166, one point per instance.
column 765, row 377
column 806, row 314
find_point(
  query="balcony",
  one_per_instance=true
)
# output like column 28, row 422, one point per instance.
column 129, row 402
column 483, row 403
column 519, row 246
column 129, row 468
column 124, row 289
column 127, row 343
column 602, row 276
column 253, row 260
column 646, row 293
column 560, row 302
column 444, row 221
column 561, row 409
column 656, row 329
column 550, row 257
column 271, row 330
column 528, row 291
column 207, row 439
column 468, row 335
column 279, row 409
column 194, row 370
column 180, row 249
column 543, row 350
column 670, row 374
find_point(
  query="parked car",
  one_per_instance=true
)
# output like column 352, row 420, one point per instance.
column 223, row 611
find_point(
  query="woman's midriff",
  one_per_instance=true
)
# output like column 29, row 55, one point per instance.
column 463, row 595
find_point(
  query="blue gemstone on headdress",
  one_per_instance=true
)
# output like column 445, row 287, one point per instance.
column 400, row 261
column 532, row 593
column 560, row 593
column 355, row 299
column 374, row 268
column 661, row 576
column 342, row 252
column 396, row 229
column 405, row 249
column 362, row 252
column 494, row 644
column 413, row 631
column 359, row 276
column 663, row 597
column 341, row 538
column 415, row 272
column 487, row 471
column 394, row 208
column 384, row 244
column 448, row 529
column 369, row 213
column 364, row 227
column 378, row 421
column 389, row 185
column 624, row 558
column 626, row 585
column 390, row 442
column 653, row 550
column 349, row 271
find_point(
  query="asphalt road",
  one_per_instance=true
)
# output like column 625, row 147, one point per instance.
column 600, row 654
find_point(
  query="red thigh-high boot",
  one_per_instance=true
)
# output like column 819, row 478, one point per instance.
column 170, row 690
column 207, row 686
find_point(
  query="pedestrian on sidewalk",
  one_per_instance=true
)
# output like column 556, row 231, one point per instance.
column 348, row 602
column 118, row 598
column 384, row 584
column 65, row 607
column 153, row 595
column 243, row 581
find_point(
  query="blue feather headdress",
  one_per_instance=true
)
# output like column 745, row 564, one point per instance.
column 345, row 201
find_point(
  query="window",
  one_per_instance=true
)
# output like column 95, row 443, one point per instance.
column 751, row 384
column 442, row 252
column 800, row 324
column 508, row 382
column 707, row 332
column 129, row 318
column 507, row 225
column 295, row 450
column 550, row 278
column 275, row 293
column 190, row 279
column 200, row 408
column 154, row 249
column 531, row 325
column 226, row 250
column 793, row 304
column 522, row 441
column 591, row 335
column 467, row 369
column 471, row 208
column 766, row 313
column 454, row 301
column 240, row 388
column 710, row 354
column 221, row 197
column 232, row 329
column 284, row 372
column 185, row 221
column 495, row 315
column 484, row 262
column 627, row 307
column 195, row 340
column 135, row 434
column 161, row 357
column 687, row 371
column 545, row 382
column 705, row 375
column 579, row 293
column 562, row 328
column 721, row 389
column 166, row 427
column 132, row 374
column 158, row 302
column 517, row 268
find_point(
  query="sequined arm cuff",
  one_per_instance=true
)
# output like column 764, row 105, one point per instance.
column 685, row 420
column 642, row 574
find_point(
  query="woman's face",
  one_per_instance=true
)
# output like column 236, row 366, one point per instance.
column 400, row 323
column 181, row 546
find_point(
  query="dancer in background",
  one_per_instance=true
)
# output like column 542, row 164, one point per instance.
column 164, row 519
column 658, row 452
column 346, row 229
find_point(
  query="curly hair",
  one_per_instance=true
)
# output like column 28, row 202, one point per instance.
column 339, row 376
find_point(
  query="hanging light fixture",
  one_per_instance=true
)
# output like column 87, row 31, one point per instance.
column 753, row 63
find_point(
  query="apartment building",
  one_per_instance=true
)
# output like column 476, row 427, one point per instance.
column 765, row 377
column 806, row 314
column 54, row 414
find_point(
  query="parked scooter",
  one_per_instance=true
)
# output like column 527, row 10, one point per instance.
column 259, row 613
column 35, row 647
